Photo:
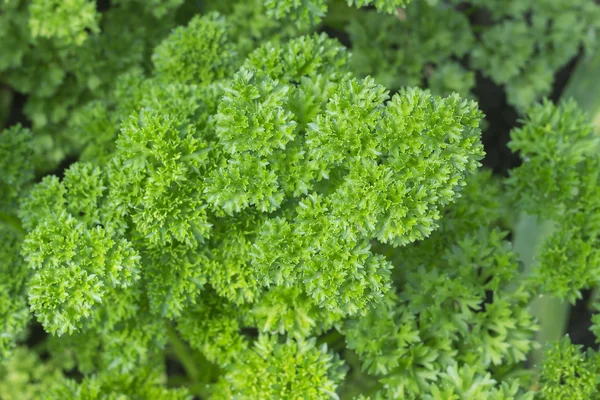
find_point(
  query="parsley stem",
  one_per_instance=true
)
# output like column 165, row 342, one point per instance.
column 200, row 378
column 12, row 221
column 551, row 313
column 584, row 85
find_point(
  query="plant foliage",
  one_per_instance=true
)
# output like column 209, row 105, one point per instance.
column 228, row 190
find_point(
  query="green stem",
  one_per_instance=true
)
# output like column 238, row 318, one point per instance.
column 339, row 15
column 584, row 86
column 594, row 298
column 184, row 355
column 5, row 104
column 178, row 381
column 12, row 221
column 197, row 368
column 333, row 339
column 552, row 314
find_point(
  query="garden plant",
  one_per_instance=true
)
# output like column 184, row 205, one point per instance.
column 299, row 199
